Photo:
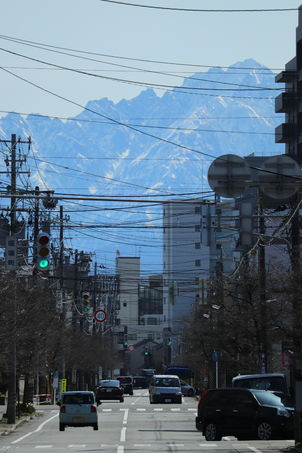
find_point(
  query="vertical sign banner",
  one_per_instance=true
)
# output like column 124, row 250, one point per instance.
column 63, row 385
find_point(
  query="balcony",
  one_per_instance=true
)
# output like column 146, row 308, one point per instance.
column 285, row 133
column 285, row 102
column 285, row 77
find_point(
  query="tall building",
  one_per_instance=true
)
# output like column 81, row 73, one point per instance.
column 200, row 239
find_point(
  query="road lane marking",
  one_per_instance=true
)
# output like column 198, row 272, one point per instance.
column 141, row 409
column 123, row 435
column 76, row 446
column 120, row 449
column 191, row 409
column 43, row 446
column 142, row 445
column 125, row 419
column 255, row 449
column 106, row 410
column 208, row 445
column 175, row 409
column 158, row 409
column 36, row 430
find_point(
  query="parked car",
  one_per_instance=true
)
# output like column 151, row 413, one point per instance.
column 127, row 383
column 78, row 408
column 243, row 413
column 165, row 388
column 140, row 382
column 187, row 389
column 109, row 389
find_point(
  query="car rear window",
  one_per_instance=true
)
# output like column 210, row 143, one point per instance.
column 166, row 382
column 125, row 380
column 112, row 383
column 78, row 398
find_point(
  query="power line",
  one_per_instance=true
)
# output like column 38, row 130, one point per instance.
column 201, row 10
column 138, row 59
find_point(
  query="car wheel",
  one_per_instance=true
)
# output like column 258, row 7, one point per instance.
column 131, row 393
column 211, row 432
column 95, row 427
column 179, row 401
column 264, row 431
column 62, row 427
column 121, row 400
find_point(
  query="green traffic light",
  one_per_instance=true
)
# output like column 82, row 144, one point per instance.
column 43, row 263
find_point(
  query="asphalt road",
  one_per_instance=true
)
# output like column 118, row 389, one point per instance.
column 132, row 426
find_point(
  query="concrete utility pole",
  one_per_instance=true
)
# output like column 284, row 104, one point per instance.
column 12, row 161
column 290, row 103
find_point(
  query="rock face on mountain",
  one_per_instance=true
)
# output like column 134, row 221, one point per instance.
column 152, row 144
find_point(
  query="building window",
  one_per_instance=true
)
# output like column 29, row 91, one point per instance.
column 197, row 227
column 152, row 321
column 132, row 336
column 124, row 304
column 197, row 263
column 197, row 245
column 197, row 210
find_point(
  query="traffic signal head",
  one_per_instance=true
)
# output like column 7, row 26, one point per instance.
column 169, row 341
column 43, row 251
column 85, row 302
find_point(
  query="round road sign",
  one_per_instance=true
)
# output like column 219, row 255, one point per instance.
column 100, row 315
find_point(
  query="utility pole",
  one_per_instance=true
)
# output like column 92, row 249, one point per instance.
column 290, row 103
column 12, row 161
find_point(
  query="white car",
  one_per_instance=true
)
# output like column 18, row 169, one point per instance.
column 165, row 388
column 78, row 408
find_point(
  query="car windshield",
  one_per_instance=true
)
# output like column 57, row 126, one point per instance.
column 78, row 398
column 112, row 383
column 166, row 382
column 268, row 398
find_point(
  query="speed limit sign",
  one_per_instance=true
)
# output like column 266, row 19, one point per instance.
column 100, row 316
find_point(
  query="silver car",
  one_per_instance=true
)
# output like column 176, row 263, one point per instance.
column 78, row 408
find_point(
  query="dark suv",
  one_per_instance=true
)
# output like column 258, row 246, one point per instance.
column 243, row 413
column 126, row 383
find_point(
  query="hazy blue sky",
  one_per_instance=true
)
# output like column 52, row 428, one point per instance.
column 200, row 38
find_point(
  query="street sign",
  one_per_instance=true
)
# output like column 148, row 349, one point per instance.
column 229, row 175
column 100, row 316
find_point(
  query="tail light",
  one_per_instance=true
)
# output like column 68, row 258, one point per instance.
column 63, row 409
column 92, row 409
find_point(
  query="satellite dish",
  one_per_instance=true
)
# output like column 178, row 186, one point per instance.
column 229, row 175
column 280, row 177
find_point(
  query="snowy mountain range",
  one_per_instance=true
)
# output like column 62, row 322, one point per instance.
column 150, row 146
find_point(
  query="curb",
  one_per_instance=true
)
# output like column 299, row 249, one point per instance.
column 7, row 429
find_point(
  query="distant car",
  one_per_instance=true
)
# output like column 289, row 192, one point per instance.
column 187, row 389
column 127, row 383
column 140, row 382
column 243, row 413
column 165, row 388
column 110, row 389
column 78, row 408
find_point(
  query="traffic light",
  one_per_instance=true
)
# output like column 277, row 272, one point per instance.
column 43, row 252
column 169, row 341
column 85, row 302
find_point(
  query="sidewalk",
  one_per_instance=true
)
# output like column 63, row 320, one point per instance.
column 6, row 428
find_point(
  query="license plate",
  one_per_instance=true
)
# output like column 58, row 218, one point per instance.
column 109, row 390
column 168, row 400
column 77, row 419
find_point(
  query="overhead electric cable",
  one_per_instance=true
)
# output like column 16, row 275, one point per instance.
column 142, row 59
column 246, row 87
column 147, row 84
column 194, row 10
